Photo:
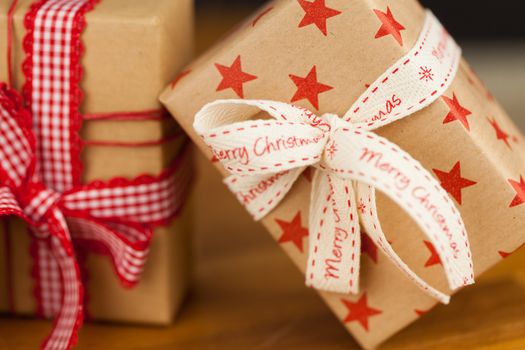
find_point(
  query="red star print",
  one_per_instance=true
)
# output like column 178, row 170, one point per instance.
column 389, row 25
column 368, row 247
column 360, row 311
column 457, row 112
column 233, row 77
column 452, row 181
column 309, row 88
column 293, row 231
column 434, row 257
column 316, row 13
column 179, row 78
column 500, row 134
column 519, row 187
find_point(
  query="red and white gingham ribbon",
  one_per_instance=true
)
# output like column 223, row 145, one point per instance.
column 266, row 156
column 115, row 218
column 40, row 172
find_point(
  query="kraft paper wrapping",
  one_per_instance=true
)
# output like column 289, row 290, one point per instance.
column 132, row 49
column 350, row 45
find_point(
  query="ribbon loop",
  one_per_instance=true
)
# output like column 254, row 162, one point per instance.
column 16, row 153
column 126, row 244
column 367, row 158
column 262, row 146
column 372, row 227
column 262, row 193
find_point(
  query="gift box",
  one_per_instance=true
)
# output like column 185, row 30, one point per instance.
column 345, row 58
column 113, row 58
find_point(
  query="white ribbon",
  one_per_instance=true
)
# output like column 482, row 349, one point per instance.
column 266, row 156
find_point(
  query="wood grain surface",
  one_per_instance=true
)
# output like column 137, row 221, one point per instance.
column 247, row 294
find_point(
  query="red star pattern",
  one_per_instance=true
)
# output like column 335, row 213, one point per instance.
column 434, row 257
column 360, row 311
column 368, row 247
column 519, row 187
column 309, row 88
column 233, row 77
column 452, row 181
column 293, row 231
column 179, row 78
column 316, row 13
column 457, row 112
column 500, row 134
column 389, row 26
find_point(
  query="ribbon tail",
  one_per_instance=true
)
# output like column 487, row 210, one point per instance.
column 372, row 226
column 368, row 158
column 70, row 317
column 335, row 240
column 260, row 194
column 126, row 244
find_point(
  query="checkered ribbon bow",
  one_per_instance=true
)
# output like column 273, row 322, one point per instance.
column 116, row 217
column 266, row 156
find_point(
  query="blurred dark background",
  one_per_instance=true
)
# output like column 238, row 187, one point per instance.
column 466, row 19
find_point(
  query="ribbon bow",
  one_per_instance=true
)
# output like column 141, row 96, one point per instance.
column 267, row 155
column 116, row 217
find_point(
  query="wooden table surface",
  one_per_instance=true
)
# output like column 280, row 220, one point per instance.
column 247, row 294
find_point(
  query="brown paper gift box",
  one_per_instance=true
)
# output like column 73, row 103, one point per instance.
column 132, row 49
column 283, row 44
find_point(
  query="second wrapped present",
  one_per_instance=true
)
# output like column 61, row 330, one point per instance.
column 383, row 101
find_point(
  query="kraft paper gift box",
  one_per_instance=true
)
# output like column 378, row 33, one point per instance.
column 323, row 55
column 132, row 49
